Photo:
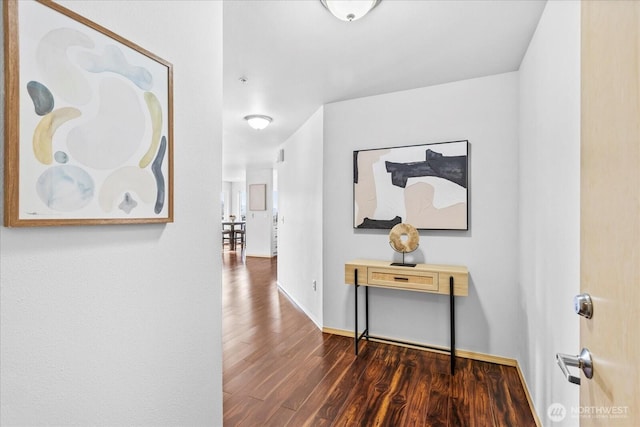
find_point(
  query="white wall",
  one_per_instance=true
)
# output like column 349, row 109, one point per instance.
column 300, row 225
column 260, row 223
column 121, row 325
column 484, row 111
column 550, row 204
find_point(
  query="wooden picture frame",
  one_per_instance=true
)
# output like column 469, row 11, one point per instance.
column 258, row 197
column 423, row 185
column 88, row 122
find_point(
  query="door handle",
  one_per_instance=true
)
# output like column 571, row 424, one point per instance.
column 582, row 361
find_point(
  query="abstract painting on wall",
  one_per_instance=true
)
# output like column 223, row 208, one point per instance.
column 88, row 132
column 422, row 185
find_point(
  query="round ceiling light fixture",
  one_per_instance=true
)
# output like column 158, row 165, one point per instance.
column 258, row 121
column 349, row 10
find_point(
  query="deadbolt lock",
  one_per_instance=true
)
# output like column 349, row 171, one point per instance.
column 583, row 305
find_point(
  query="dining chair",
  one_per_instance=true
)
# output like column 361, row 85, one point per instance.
column 240, row 235
column 226, row 235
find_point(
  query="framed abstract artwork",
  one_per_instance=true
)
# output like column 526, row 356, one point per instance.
column 88, row 122
column 422, row 185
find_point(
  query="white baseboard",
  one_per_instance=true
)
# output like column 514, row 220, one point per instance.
column 300, row 306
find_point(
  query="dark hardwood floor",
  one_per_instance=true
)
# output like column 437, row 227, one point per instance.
column 280, row 370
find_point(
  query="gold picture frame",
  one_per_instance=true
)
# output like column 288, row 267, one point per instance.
column 88, row 122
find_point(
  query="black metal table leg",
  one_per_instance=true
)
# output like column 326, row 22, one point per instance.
column 367, row 336
column 453, row 326
column 366, row 312
column 355, row 330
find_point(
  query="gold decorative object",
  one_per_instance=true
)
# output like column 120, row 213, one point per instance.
column 404, row 238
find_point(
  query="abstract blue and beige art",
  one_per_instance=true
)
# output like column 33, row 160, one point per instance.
column 422, row 185
column 93, row 123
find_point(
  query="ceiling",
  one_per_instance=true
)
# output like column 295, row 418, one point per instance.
column 296, row 57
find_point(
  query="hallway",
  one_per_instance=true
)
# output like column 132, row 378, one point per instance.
column 280, row 370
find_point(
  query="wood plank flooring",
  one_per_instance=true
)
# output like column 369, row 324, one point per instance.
column 280, row 370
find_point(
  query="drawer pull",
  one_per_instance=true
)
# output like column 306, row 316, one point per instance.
column 404, row 279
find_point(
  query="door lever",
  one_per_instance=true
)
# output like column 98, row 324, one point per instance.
column 582, row 361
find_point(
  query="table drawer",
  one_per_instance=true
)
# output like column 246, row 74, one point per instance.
column 411, row 280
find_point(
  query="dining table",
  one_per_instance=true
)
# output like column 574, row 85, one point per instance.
column 233, row 226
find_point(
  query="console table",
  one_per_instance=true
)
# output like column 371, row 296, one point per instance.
column 452, row 280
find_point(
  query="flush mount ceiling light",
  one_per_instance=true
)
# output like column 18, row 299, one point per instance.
column 349, row 10
column 257, row 121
